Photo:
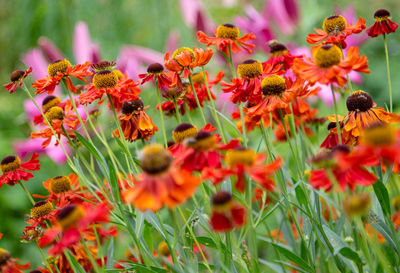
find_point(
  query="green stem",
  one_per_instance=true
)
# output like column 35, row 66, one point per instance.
column 243, row 125
column 219, row 125
column 161, row 116
column 27, row 193
column 178, row 115
column 44, row 257
column 197, row 99
column 388, row 73
column 339, row 133
column 231, row 62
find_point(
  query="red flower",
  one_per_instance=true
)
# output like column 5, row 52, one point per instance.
column 16, row 79
column 383, row 25
column 327, row 66
column 243, row 161
column 332, row 139
column 156, row 72
column 61, row 70
column 14, row 171
column 228, row 35
column 71, row 223
column 202, row 151
column 280, row 55
column 336, row 30
column 344, row 167
column 118, row 86
column 248, row 86
column 226, row 213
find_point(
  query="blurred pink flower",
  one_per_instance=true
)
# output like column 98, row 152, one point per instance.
column 285, row 13
column 195, row 15
column 84, row 49
column 256, row 23
column 51, row 52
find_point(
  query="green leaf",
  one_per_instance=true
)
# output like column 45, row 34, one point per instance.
column 383, row 197
column 110, row 254
column 340, row 246
column 207, row 241
column 293, row 257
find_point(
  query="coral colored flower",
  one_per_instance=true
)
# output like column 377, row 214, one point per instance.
column 111, row 82
column 14, row 171
column 226, row 36
column 248, row 86
column 63, row 190
column 9, row 264
column 341, row 166
column 58, row 71
column 242, row 161
column 162, row 183
column 383, row 25
column 156, row 72
column 71, row 223
column 184, row 59
column 362, row 113
column 40, row 212
column 202, row 150
column 135, row 123
column 335, row 31
column 227, row 214
column 16, row 79
column 280, row 55
column 63, row 120
column 327, row 66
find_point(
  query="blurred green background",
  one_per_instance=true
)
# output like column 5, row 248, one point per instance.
column 114, row 23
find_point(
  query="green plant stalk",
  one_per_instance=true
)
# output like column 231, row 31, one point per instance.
column 27, row 192
column 388, row 73
column 243, row 125
column 122, row 136
column 230, row 61
column 43, row 256
column 197, row 99
column 161, row 115
column 178, row 115
column 219, row 124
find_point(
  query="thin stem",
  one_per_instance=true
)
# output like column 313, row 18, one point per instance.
column 161, row 115
column 195, row 240
column 178, row 115
column 230, row 61
column 243, row 125
column 219, row 125
column 388, row 73
column 337, row 117
column 197, row 99
column 27, row 193
column 44, row 257
column 122, row 135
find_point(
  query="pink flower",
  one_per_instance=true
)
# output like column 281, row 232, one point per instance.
column 196, row 16
column 285, row 13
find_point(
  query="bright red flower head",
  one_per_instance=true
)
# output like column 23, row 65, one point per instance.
column 280, row 55
column 227, row 214
column 228, row 35
column 383, row 25
column 156, row 72
column 14, row 171
column 9, row 265
column 335, row 31
column 17, row 77
column 72, row 221
column 343, row 167
column 327, row 66
column 58, row 71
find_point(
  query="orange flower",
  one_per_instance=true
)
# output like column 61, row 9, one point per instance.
column 58, row 71
column 280, row 55
column 135, row 123
column 362, row 113
column 161, row 183
column 226, row 36
column 14, row 171
column 9, row 264
column 16, row 79
column 112, row 82
column 184, row 59
column 327, row 66
column 335, row 31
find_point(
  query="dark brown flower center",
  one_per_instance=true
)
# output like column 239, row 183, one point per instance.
column 17, row 75
column 184, row 131
column 132, row 106
column 155, row 68
column 359, row 101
